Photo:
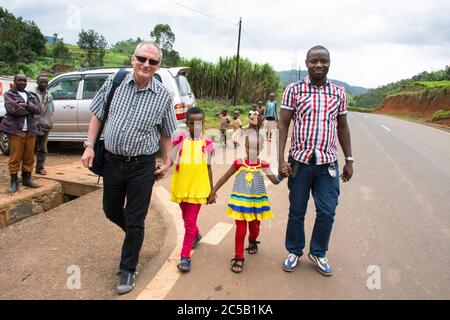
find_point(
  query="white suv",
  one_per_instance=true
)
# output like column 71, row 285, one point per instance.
column 73, row 92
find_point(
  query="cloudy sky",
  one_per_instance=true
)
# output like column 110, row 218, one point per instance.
column 372, row 42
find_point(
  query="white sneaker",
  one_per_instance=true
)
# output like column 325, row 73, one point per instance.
column 290, row 263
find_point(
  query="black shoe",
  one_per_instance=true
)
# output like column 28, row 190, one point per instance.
column 26, row 180
column 126, row 281
column 14, row 183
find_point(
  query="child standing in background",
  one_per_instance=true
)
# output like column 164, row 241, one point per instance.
column 192, row 180
column 271, row 116
column 260, row 110
column 236, row 124
column 249, row 203
column 253, row 116
column 224, row 121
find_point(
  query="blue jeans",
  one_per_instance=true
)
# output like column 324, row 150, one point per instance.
column 325, row 191
column 127, row 190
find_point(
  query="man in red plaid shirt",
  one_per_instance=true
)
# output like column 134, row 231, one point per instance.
column 319, row 110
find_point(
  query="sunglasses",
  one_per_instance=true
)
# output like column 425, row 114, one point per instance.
column 151, row 62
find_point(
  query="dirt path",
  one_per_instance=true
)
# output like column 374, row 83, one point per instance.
column 43, row 253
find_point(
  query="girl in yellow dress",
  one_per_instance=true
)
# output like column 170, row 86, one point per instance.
column 192, row 179
column 249, row 203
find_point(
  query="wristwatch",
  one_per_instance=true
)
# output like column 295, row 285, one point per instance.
column 87, row 144
column 349, row 159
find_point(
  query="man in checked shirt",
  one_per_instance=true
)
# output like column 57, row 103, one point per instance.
column 141, row 119
column 319, row 110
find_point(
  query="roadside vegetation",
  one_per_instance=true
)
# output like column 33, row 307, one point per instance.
column 441, row 115
column 419, row 84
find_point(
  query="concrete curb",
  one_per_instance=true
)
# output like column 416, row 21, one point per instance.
column 152, row 267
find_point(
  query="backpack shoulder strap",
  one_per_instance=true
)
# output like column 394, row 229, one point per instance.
column 118, row 79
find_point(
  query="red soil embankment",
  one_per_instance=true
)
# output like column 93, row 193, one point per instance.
column 421, row 105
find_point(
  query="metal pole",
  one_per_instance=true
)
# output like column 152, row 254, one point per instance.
column 237, row 64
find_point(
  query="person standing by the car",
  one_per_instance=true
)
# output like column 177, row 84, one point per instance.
column 271, row 116
column 20, row 125
column 141, row 120
column 44, row 123
column 319, row 110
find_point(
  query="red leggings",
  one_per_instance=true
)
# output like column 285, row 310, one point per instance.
column 239, row 238
column 190, row 214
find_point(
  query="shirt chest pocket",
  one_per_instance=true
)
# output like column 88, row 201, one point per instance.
column 332, row 107
column 304, row 106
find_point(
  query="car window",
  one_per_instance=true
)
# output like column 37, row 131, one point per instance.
column 183, row 84
column 64, row 89
column 92, row 83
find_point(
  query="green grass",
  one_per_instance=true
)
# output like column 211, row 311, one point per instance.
column 113, row 59
column 40, row 63
column 441, row 115
column 420, row 87
column 434, row 84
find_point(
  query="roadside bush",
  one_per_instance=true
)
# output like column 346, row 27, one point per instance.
column 440, row 115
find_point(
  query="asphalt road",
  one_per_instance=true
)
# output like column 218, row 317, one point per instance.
column 390, row 239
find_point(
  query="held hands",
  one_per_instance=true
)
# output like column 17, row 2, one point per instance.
column 161, row 169
column 284, row 169
column 22, row 104
column 347, row 172
column 212, row 198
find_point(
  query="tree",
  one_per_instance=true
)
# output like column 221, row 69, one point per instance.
column 126, row 46
column 94, row 46
column 61, row 52
column 20, row 41
column 171, row 58
column 163, row 35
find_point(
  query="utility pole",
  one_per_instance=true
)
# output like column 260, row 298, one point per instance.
column 237, row 63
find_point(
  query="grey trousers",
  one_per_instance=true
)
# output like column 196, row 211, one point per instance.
column 41, row 150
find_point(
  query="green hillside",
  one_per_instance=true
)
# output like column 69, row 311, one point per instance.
column 421, row 83
column 289, row 76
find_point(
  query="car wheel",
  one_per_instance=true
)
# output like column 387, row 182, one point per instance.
column 4, row 145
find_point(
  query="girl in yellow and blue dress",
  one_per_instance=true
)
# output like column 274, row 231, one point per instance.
column 192, row 179
column 249, row 203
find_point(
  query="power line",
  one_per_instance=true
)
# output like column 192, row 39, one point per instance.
column 251, row 40
column 203, row 14
column 209, row 39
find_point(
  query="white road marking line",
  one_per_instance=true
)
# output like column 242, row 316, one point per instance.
column 438, row 130
column 386, row 128
column 366, row 117
column 168, row 275
column 217, row 233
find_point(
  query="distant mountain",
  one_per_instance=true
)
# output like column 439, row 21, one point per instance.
column 50, row 40
column 289, row 76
